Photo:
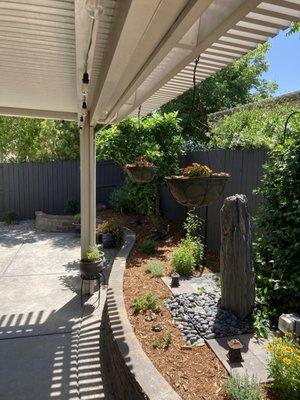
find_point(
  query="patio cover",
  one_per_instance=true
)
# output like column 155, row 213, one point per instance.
column 136, row 52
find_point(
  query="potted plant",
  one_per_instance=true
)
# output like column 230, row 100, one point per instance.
column 110, row 232
column 92, row 262
column 76, row 223
column 141, row 170
column 197, row 186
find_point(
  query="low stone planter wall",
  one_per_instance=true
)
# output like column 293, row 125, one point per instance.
column 53, row 223
column 133, row 374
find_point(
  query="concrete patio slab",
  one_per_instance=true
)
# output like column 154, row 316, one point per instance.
column 254, row 356
column 49, row 344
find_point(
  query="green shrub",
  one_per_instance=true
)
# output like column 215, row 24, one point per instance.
column 148, row 246
column 195, row 246
column 10, row 218
column 110, row 226
column 284, row 367
column 243, row 388
column 277, row 247
column 155, row 269
column 121, row 200
column 251, row 128
column 73, row 207
column 92, row 254
column 146, row 302
column 183, row 261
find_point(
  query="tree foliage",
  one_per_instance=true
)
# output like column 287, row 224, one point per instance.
column 239, row 83
column 26, row 139
column 251, row 128
column 277, row 248
column 158, row 138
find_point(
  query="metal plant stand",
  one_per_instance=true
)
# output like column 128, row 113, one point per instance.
column 98, row 277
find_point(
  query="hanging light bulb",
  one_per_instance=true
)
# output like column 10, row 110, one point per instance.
column 94, row 8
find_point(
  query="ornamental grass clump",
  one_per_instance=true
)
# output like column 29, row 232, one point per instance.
column 155, row 269
column 243, row 388
column 284, row 367
column 183, row 261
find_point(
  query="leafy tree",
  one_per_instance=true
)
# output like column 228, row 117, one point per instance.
column 158, row 138
column 251, row 128
column 239, row 83
column 27, row 139
column 294, row 28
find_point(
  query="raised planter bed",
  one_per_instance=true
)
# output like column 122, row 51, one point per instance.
column 134, row 375
column 53, row 223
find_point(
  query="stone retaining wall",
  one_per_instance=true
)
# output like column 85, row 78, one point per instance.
column 53, row 223
column 133, row 374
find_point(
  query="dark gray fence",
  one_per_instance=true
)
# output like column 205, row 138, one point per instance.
column 245, row 168
column 28, row 187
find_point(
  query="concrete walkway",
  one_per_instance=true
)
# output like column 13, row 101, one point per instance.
column 50, row 347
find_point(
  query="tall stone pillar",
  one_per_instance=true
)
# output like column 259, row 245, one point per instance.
column 237, row 271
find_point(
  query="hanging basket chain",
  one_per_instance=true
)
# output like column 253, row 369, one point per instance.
column 188, row 121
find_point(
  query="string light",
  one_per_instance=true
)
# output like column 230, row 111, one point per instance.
column 94, row 8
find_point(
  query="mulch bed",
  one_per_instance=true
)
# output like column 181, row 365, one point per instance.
column 194, row 372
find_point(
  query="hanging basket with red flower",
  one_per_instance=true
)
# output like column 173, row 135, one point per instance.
column 197, row 186
column 141, row 170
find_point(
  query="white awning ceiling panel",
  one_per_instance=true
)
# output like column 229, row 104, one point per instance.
column 37, row 55
column 140, row 52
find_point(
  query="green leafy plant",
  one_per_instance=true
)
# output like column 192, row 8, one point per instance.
column 10, row 218
column 261, row 322
column 192, row 224
column 163, row 343
column 148, row 246
column 243, row 388
column 201, row 290
column 146, row 302
column 110, row 226
column 277, row 246
column 73, row 207
column 77, row 218
column 284, row 367
column 251, row 128
column 92, row 254
column 195, row 247
column 155, row 269
column 121, row 200
column 183, row 261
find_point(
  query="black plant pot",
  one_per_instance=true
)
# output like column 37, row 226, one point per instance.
column 77, row 227
column 109, row 240
column 91, row 269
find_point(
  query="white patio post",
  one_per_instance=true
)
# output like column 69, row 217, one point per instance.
column 87, row 185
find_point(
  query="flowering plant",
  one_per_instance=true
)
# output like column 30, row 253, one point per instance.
column 196, row 169
column 284, row 366
column 141, row 162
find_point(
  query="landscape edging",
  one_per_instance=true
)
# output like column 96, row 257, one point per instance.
column 133, row 374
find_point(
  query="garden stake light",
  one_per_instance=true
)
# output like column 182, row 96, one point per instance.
column 234, row 353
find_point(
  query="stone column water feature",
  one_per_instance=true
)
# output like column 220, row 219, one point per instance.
column 237, row 271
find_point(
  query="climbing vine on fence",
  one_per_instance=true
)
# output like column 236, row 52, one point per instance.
column 277, row 249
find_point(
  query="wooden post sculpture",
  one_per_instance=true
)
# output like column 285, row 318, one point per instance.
column 237, row 272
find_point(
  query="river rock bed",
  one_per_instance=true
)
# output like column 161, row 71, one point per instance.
column 199, row 316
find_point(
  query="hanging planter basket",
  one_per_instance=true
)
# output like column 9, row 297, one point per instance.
column 197, row 191
column 141, row 171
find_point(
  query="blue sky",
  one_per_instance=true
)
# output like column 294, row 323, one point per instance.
column 284, row 60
